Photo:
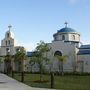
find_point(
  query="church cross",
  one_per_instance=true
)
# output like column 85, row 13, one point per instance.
column 9, row 27
column 66, row 23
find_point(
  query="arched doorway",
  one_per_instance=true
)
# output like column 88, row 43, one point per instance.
column 58, row 53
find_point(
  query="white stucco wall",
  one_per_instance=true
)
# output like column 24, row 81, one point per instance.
column 66, row 49
column 68, row 36
column 77, row 37
column 86, row 63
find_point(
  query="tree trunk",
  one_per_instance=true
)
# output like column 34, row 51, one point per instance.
column 12, row 67
column 22, row 76
column 41, row 76
column 52, row 80
column 59, row 68
column 62, row 73
column 22, row 71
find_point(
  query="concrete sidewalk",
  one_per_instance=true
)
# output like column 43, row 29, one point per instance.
column 7, row 83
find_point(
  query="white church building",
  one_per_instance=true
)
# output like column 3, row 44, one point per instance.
column 66, row 42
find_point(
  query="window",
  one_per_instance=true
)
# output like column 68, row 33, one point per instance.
column 63, row 37
column 73, row 37
column 58, row 53
column 7, row 34
column 55, row 38
column 17, row 49
column 9, row 42
column 6, row 43
column 7, row 50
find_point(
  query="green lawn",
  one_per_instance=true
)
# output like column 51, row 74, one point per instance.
column 61, row 82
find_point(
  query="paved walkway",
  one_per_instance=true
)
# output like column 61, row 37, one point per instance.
column 7, row 83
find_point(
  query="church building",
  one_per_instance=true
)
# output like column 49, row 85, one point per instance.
column 67, row 42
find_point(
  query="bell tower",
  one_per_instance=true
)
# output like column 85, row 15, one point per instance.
column 7, row 44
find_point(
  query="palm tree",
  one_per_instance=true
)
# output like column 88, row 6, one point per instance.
column 61, row 60
column 20, row 56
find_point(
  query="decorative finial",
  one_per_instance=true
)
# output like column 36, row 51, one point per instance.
column 66, row 23
column 9, row 27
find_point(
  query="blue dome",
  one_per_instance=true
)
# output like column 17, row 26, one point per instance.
column 67, row 30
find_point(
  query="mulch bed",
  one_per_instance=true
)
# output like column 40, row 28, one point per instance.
column 38, row 81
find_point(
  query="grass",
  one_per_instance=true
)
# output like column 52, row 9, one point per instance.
column 67, row 82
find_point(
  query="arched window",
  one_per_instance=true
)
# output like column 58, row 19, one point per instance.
column 63, row 37
column 7, row 50
column 6, row 43
column 17, row 49
column 8, row 35
column 58, row 53
column 55, row 38
column 9, row 42
column 73, row 37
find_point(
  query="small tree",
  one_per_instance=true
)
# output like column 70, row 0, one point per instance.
column 61, row 60
column 40, row 55
column 7, row 61
column 1, row 61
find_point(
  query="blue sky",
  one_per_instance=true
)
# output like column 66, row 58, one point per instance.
column 35, row 20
